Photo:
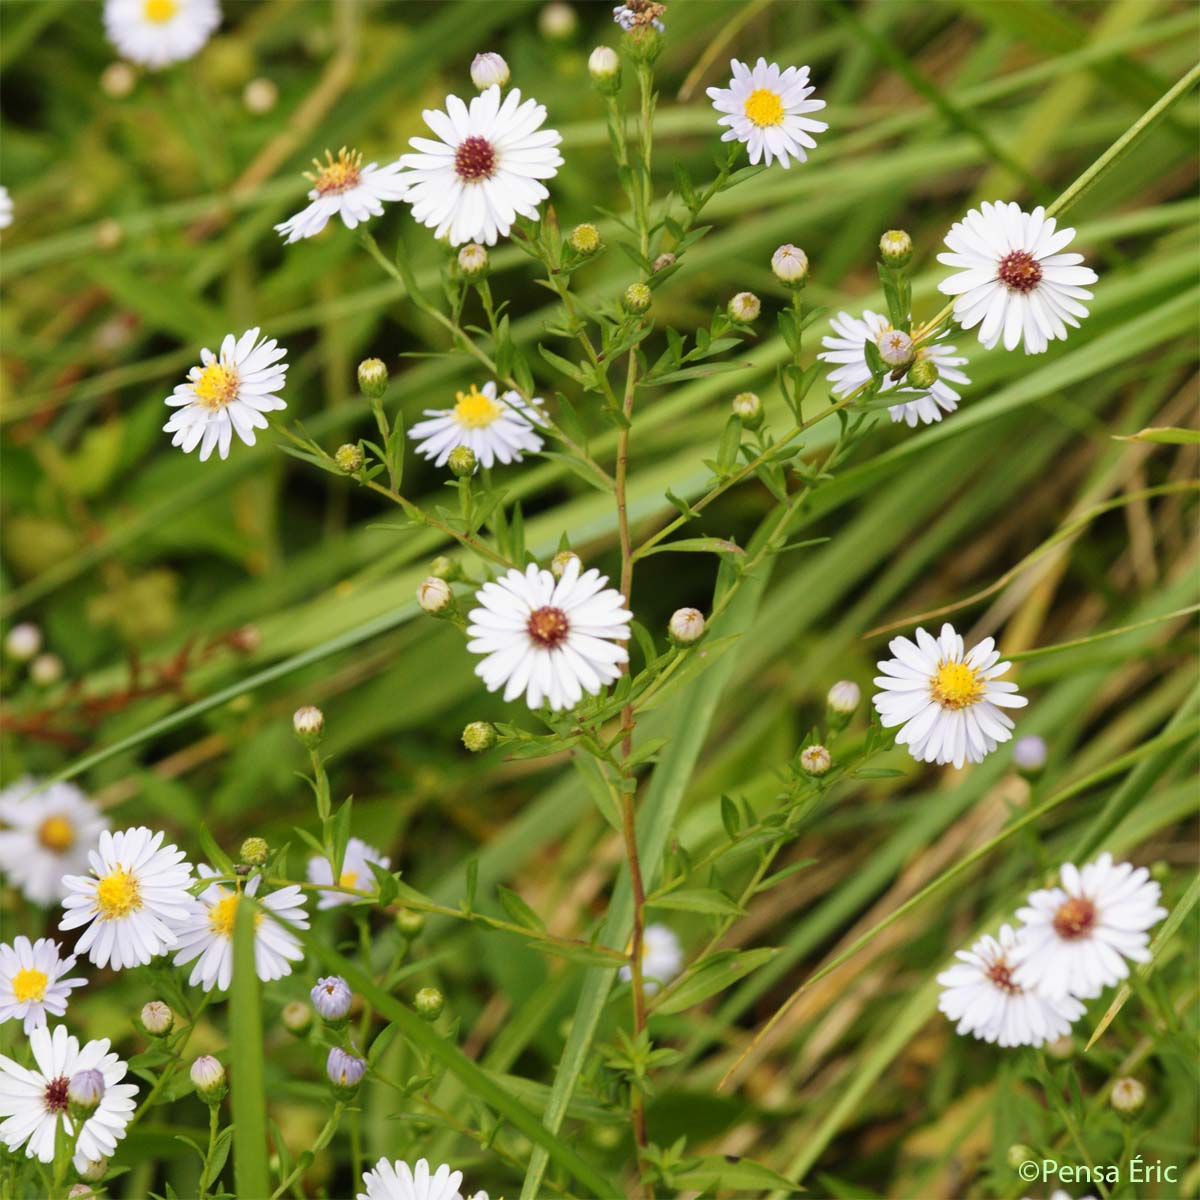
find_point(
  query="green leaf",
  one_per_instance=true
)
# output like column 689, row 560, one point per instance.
column 738, row 1175
column 248, row 1100
column 709, row 979
column 1168, row 435
column 701, row 900
column 518, row 909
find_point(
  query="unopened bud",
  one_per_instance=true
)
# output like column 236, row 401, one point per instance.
column 345, row 1072
column 895, row 248
column 93, row 1170
column 372, row 377
column 444, row 567
column 923, row 374
column 686, row 626
column 1062, row 1047
column 118, row 80
column 349, row 458
column 254, row 851
column 841, row 701
column 23, row 641
column 46, row 669
column 637, row 299
column 77, row 1191
column 815, row 760
column 1029, row 754
column 157, row 1018
column 604, row 66
column 429, row 1003
column 748, row 409
column 489, row 70
column 462, row 462
column 558, row 564
column 84, row 1093
column 1160, row 870
column 790, row 265
column 208, row 1078
column 1017, row 1154
column 895, row 347
column 434, row 595
column 308, row 723
column 260, row 96
column 409, row 922
column 745, row 307
column 663, row 261
column 585, row 239
column 296, row 1017
column 473, row 260
column 331, row 998
column 557, row 21
column 1127, row 1095
column 479, row 736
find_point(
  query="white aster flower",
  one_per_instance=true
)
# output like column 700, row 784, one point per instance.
column 45, row 835
column 1014, row 278
column 981, row 993
column 1081, row 934
column 948, row 702
column 156, row 33
column 495, row 428
column 32, row 983
column 662, row 958
column 765, row 109
column 551, row 639
column 485, row 170
column 228, row 394
column 845, row 348
column 343, row 187
column 6, row 208
column 356, row 872
column 34, row 1099
column 208, row 934
column 398, row 1181
column 134, row 900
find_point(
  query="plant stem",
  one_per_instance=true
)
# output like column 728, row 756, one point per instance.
column 323, row 1140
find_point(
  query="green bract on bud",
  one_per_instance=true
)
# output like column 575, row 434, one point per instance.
column 895, row 347
column 444, row 568
column 923, row 374
column 409, row 922
column 479, row 736
column 372, row 377
column 429, row 1003
column 1017, row 1154
column 557, row 21
column 473, row 260
column 254, row 851
column 1127, row 1096
column 604, row 66
column 560, row 562
column 895, row 248
column 686, row 626
column 434, row 595
column 208, row 1078
column 637, row 299
column 841, row 701
column 156, row 1018
column 748, row 409
column 345, row 1072
column 585, row 239
column 462, row 462
column 790, row 265
column 815, row 760
column 1160, row 870
column 745, row 307
column 23, row 641
column 309, row 724
column 296, row 1017
column 663, row 261
column 46, row 669
column 489, row 70
column 349, row 458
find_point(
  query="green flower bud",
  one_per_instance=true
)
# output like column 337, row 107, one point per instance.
column 462, row 462
column 895, row 248
column 748, row 409
column 1018, row 1154
column 585, row 239
column 479, row 736
column 446, row 568
column 558, row 564
column 309, row 724
column 923, row 374
column 372, row 377
column 297, row 1017
column 409, row 922
column 744, row 308
column 604, row 66
column 349, row 458
column 429, row 1003
column 637, row 299
column 254, row 851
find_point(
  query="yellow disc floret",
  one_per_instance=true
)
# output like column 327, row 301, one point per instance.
column 764, row 107
column 475, row 410
column 223, row 914
column 160, row 11
column 956, row 685
column 348, row 879
column 56, row 833
column 118, row 894
column 215, row 386
column 336, row 175
column 29, row 984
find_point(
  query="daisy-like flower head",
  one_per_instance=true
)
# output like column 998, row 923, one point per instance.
column 1014, row 281
column 845, row 347
column 495, row 428
column 156, row 33
column 227, row 394
column 1081, row 934
column 356, row 872
column 133, row 901
column 948, row 702
column 662, row 958
column 551, row 639
column 32, row 983
column 485, row 170
column 208, row 935
column 34, row 1099
column 765, row 108
column 343, row 187
column 398, row 1181
column 6, row 208
column 45, row 835
column 981, row 993
column 637, row 14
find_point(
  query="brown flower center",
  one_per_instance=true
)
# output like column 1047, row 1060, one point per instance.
column 1019, row 271
column 55, row 1098
column 548, row 627
column 1075, row 919
column 1000, row 973
column 475, row 159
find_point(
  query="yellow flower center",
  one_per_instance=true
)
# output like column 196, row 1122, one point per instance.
column 29, row 984
column 348, row 879
column 956, row 685
column 475, row 410
column 764, row 107
column 215, row 386
column 336, row 175
column 160, row 11
column 118, row 894
column 223, row 914
column 56, row 833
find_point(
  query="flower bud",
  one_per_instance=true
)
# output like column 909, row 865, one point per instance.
column 895, row 347
column 156, row 1018
column 349, row 458
column 429, row 1003
column 489, row 70
column 1062, row 1047
column 479, row 736
column 309, row 724
column 604, row 66
column 1127, row 1095
column 585, row 239
column 254, row 851
column 84, row 1093
column 117, row 80
column 663, row 261
column 331, row 998
column 345, row 1072
column 1160, row 870
column 444, row 567
column 409, row 922
column 208, row 1077
column 46, row 669
column 1029, row 754
column 748, row 409
column 745, row 307
column 23, row 641
column 372, row 377
column 462, row 462
column 260, row 96
column 1017, row 1154
column 895, row 248
column 434, row 595
column 558, row 564
column 557, row 22
column 473, row 260
column 815, row 760
column 637, row 299
column 77, row 1191
column 790, row 265
column 843, row 698
column 93, row 1170
column 923, row 374
column 296, row 1017
column 686, row 626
